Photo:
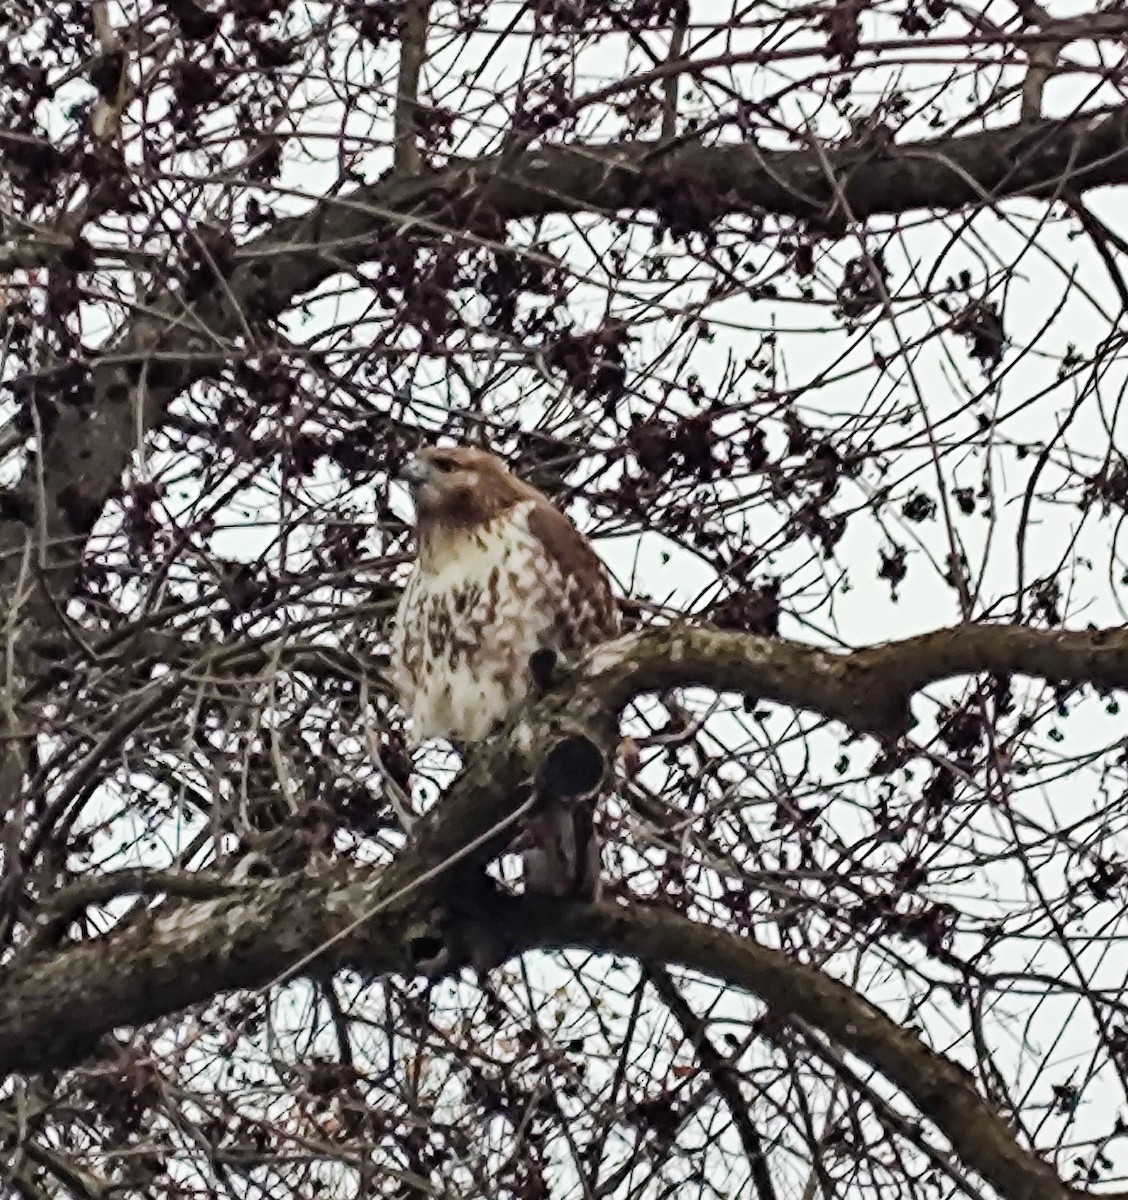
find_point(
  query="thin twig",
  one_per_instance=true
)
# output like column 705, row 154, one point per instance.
column 720, row 1073
column 670, row 88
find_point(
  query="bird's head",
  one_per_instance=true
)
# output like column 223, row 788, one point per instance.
column 460, row 488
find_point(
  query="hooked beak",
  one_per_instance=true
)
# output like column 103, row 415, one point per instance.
column 415, row 473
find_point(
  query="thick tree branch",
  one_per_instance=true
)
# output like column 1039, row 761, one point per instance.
column 53, row 1012
column 868, row 690
column 169, row 348
column 54, row 1006
column 940, row 1089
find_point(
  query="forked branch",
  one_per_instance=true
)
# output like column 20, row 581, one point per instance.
column 55, row 1004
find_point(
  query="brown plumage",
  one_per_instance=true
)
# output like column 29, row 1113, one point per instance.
column 500, row 573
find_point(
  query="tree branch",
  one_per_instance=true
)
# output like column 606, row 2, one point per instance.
column 722, row 1076
column 182, row 957
column 413, row 48
column 53, row 1007
column 1044, row 54
column 167, row 349
column 869, row 689
column 940, row 1089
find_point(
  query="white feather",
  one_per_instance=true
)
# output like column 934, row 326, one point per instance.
column 478, row 673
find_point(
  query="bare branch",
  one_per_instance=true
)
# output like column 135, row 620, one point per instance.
column 1044, row 54
column 868, row 690
column 670, row 88
column 943, row 1091
column 63, row 907
column 721, row 1075
column 52, row 1011
column 105, row 120
column 88, row 451
column 413, row 50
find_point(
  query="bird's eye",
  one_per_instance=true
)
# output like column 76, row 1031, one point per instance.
column 442, row 465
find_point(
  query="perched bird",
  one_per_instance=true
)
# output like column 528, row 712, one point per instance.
column 502, row 577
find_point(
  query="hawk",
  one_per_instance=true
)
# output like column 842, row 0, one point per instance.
column 500, row 575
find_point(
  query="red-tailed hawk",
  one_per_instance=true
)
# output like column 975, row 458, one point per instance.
column 500, row 574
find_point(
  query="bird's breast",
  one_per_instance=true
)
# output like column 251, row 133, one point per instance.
column 467, row 626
